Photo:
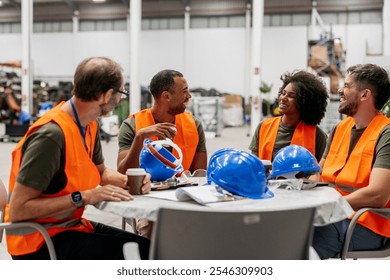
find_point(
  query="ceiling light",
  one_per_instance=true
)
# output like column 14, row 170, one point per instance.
column 99, row 1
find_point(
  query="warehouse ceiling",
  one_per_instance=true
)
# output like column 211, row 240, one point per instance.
column 10, row 10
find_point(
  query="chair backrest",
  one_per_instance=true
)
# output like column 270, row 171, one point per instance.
column 3, row 202
column 383, row 252
column 203, row 235
column 18, row 225
column 3, row 195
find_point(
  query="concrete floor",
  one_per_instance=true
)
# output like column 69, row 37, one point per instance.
column 231, row 137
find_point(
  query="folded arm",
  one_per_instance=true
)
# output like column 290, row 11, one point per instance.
column 376, row 194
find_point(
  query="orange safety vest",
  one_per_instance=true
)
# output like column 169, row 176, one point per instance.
column 352, row 173
column 186, row 137
column 304, row 135
column 78, row 164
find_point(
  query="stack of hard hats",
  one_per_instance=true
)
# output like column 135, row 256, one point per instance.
column 160, row 163
column 292, row 161
column 238, row 172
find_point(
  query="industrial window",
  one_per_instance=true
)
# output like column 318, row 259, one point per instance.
column 10, row 27
column 162, row 23
column 103, row 25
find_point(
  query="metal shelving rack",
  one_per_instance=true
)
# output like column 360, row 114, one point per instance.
column 209, row 109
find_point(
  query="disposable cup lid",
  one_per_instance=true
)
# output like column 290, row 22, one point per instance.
column 135, row 171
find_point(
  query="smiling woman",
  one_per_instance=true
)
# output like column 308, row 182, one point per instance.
column 302, row 105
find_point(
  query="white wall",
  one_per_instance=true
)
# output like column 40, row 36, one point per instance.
column 216, row 59
column 209, row 58
column 359, row 40
column 284, row 49
column 10, row 47
column 52, row 55
column 161, row 50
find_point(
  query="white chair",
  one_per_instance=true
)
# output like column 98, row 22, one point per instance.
column 204, row 235
column 36, row 226
column 382, row 252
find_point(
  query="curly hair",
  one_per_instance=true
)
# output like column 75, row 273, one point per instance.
column 373, row 77
column 311, row 95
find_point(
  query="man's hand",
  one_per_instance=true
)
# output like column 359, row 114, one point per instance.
column 161, row 130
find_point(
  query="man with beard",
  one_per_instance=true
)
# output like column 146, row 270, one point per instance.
column 58, row 168
column 165, row 119
column 302, row 104
column 357, row 160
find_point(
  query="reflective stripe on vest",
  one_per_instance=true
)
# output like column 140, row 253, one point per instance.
column 352, row 173
column 304, row 135
column 78, row 163
column 186, row 137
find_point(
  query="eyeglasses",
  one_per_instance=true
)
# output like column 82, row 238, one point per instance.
column 124, row 93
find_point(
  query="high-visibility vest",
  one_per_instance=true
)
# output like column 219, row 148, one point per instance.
column 304, row 135
column 186, row 137
column 352, row 173
column 81, row 174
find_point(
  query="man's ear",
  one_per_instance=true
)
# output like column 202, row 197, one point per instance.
column 165, row 94
column 106, row 96
column 366, row 93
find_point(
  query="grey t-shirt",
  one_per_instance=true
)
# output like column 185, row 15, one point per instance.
column 43, row 159
column 283, row 139
column 382, row 148
column 127, row 134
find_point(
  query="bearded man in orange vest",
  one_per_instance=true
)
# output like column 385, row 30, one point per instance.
column 302, row 105
column 165, row 119
column 357, row 161
column 58, row 168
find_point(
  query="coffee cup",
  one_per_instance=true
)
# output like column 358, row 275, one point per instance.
column 135, row 178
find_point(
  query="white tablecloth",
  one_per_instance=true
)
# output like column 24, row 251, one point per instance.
column 330, row 205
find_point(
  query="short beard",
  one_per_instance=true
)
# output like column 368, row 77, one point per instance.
column 349, row 110
column 108, row 107
column 177, row 110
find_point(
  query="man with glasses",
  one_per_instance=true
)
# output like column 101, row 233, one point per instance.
column 167, row 118
column 58, row 169
column 357, row 161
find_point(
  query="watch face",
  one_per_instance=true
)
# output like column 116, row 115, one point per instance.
column 76, row 197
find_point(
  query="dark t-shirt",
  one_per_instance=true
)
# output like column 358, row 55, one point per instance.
column 43, row 160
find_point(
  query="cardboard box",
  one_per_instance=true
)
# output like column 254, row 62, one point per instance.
column 334, row 83
column 232, row 100
column 318, row 56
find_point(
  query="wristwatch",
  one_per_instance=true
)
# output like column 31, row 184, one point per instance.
column 77, row 199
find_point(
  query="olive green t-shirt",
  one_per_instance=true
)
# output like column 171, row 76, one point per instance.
column 43, row 159
column 127, row 134
column 283, row 139
column 382, row 148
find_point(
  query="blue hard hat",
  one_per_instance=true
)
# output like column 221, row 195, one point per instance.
column 160, row 163
column 238, row 172
column 293, row 159
column 24, row 117
column 46, row 105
